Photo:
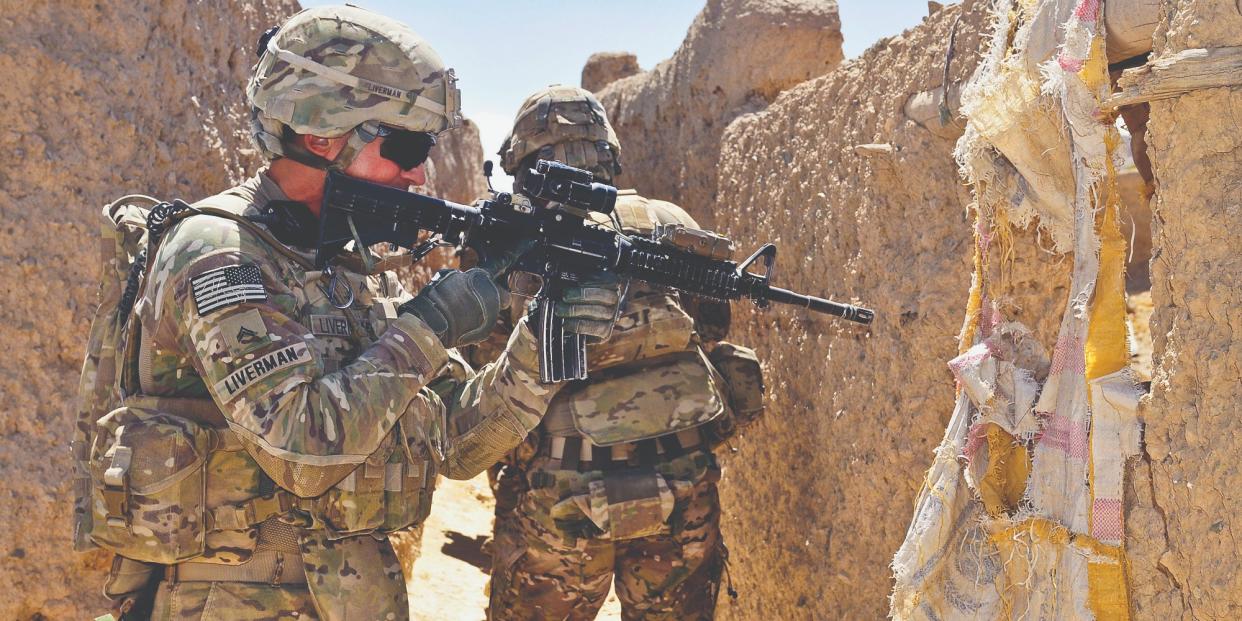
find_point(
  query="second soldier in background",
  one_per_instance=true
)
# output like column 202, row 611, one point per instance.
column 619, row 480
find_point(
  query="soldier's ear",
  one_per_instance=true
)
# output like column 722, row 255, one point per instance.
column 326, row 148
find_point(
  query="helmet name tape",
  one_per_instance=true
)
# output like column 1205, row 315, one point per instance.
column 341, row 77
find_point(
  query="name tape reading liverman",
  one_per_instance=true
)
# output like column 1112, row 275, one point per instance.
column 238, row 380
column 226, row 286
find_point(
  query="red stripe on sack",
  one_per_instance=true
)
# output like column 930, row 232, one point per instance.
column 1062, row 434
column 1106, row 525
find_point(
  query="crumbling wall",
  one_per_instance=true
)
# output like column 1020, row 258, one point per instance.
column 1135, row 196
column 1183, row 498
column 100, row 99
column 852, row 174
column 737, row 56
column 604, row 68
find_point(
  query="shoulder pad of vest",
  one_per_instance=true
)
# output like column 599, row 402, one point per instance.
column 664, row 212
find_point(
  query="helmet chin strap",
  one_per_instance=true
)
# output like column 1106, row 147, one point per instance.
column 353, row 146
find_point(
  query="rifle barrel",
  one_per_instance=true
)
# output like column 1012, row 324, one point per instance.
column 848, row 312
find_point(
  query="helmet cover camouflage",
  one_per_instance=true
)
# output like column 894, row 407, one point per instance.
column 328, row 70
column 566, row 124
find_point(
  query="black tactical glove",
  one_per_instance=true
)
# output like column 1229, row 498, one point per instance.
column 460, row 307
column 591, row 308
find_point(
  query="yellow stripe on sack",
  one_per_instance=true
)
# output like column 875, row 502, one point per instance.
column 1034, row 548
column 1009, row 465
column 974, row 304
column 1108, row 593
column 1107, row 352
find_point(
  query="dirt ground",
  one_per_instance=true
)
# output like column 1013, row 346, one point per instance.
column 449, row 581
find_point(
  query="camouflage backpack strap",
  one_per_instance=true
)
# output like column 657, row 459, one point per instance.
column 160, row 218
column 122, row 232
column 258, row 231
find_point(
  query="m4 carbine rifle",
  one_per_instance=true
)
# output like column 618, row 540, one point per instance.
column 568, row 249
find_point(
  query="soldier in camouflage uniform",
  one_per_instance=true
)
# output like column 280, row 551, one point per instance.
column 619, row 480
column 280, row 420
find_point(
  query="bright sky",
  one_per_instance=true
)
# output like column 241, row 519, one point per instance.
column 503, row 50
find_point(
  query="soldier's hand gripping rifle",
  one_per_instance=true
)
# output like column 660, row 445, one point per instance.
column 568, row 249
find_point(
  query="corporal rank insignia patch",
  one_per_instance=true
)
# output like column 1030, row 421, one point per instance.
column 244, row 331
column 226, row 286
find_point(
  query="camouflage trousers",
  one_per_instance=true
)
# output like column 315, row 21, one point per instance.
column 539, row 573
column 352, row 578
column 235, row 601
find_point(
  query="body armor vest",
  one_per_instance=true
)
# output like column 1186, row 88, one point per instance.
column 169, row 482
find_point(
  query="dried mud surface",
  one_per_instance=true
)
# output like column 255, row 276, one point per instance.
column 1183, row 501
column 819, row 495
column 737, row 57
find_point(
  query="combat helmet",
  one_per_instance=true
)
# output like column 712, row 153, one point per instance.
column 331, row 70
column 566, row 124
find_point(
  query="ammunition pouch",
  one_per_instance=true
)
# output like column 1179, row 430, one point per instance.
column 623, row 505
column 635, row 402
column 166, row 488
column 148, row 486
column 131, row 587
column 390, row 491
column 619, row 504
column 651, row 324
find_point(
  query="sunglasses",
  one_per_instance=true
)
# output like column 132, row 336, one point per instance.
column 405, row 148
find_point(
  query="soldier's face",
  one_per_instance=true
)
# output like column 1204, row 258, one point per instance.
column 369, row 165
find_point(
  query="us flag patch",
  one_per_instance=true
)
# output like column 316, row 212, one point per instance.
column 226, row 286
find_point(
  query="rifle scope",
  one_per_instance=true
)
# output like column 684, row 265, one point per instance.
column 553, row 181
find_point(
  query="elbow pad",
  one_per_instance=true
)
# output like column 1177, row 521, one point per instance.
column 484, row 444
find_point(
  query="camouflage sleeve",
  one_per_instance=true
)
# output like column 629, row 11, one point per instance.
column 493, row 412
column 712, row 318
column 258, row 364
